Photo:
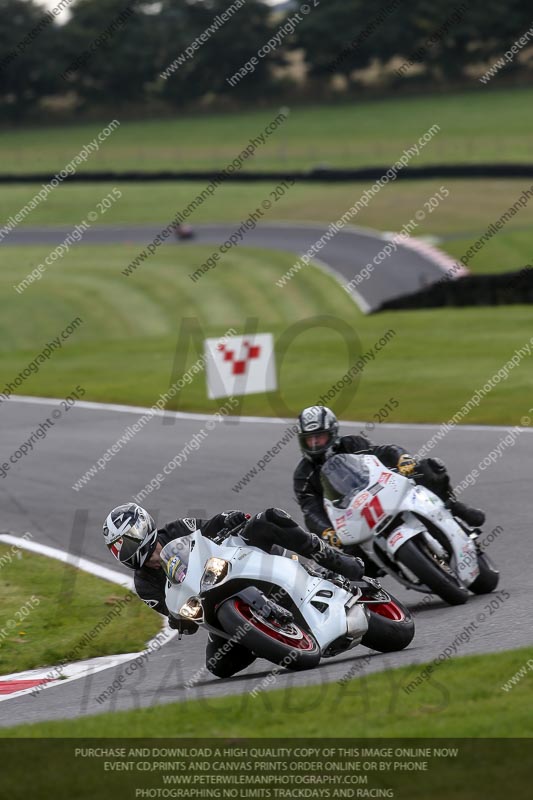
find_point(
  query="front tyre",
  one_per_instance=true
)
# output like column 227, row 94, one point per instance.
column 488, row 577
column 429, row 571
column 285, row 644
column 390, row 626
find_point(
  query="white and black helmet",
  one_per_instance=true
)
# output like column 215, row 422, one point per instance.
column 130, row 534
column 318, row 430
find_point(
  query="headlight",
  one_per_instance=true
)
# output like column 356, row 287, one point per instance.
column 215, row 571
column 192, row 609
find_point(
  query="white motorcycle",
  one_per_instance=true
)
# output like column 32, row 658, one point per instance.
column 283, row 611
column 405, row 528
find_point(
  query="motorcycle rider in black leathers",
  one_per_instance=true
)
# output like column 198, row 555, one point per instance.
column 133, row 539
column 318, row 437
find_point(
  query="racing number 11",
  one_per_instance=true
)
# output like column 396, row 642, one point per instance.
column 373, row 512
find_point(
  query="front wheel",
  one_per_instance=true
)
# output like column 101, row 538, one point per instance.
column 390, row 626
column 285, row 644
column 428, row 570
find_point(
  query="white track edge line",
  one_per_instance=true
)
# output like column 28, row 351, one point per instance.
column 186, row 415
column 354, row 296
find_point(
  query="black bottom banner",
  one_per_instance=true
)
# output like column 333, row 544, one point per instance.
column 405, row 769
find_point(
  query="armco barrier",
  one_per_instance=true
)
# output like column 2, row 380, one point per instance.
column 318, row 174
column 505, row 288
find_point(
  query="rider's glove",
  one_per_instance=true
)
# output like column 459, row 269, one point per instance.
column 184, row 626
column 406, row 465
column 434, row 475
column 330, row 536
column 436, row 465
column 233, row 519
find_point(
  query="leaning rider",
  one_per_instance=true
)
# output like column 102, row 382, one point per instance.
column 318, row 437
column 131, row 535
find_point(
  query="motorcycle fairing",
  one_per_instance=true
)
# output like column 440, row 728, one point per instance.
column 254, row 565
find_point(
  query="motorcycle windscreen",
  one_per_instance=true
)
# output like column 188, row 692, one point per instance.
column 342, row 476
column 175, row 558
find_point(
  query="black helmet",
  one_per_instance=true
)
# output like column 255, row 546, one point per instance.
column 318, row 430
column 131, row 535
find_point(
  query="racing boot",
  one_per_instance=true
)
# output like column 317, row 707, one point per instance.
column 474, row 517
column 349, row 567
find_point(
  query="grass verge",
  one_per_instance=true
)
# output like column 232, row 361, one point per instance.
column 50, row 611
column 463, row 697
column 348, row 134
column 140, row 320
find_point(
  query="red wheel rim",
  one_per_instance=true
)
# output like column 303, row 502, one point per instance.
column 300, row 641
column 389, row 610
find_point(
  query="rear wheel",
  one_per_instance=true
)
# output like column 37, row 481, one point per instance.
column 429, row 570
column 285, row 644
column 390, row 626
column 488, row 577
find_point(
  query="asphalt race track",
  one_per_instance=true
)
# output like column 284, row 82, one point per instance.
column 37, row 497
column 347, row 253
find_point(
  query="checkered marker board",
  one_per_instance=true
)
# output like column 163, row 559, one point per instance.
column 241, row 365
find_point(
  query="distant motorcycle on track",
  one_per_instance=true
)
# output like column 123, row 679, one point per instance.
column 404, row 528
column 183, row 232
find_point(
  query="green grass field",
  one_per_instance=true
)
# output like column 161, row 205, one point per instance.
column 137, row 319
column 462, row 698
column 470, row 207
column 34, row 592
column 479, row 126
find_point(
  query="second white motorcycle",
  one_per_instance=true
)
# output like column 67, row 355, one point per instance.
column 405, row 528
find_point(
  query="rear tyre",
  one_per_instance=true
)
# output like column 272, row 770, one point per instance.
column 390, row 626
column 287, row 645
column 428, row 571
column 488, row 577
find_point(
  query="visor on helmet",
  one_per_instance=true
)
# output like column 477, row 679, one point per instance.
column 130, row 534
column 316, row 442
column 133, row 554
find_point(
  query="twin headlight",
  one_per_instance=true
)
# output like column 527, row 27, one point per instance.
column 215, row 571
column 192, row 609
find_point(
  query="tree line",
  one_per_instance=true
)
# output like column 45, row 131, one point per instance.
column 188, row 53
